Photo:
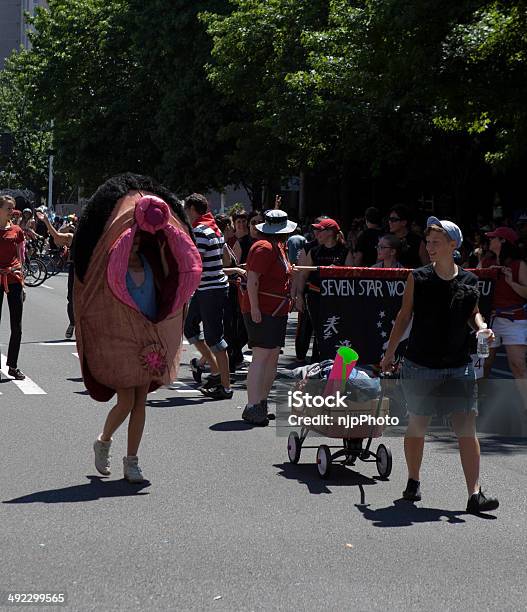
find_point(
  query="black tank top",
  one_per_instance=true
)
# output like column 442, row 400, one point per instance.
column 440, row 336
column 324, row 256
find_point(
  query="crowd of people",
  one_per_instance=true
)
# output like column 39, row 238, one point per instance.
column 257, row 267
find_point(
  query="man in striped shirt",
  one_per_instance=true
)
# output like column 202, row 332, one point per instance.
column 210, row 299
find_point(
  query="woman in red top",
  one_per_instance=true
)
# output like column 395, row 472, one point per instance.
column 265, row 306
column 11, row 255
column 509, row 321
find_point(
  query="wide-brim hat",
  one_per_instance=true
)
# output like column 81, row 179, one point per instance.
column 276, row 222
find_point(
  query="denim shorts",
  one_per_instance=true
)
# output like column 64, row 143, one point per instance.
column 439, row 391
column 207, row 307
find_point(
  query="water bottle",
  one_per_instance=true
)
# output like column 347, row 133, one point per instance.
column 483, row 343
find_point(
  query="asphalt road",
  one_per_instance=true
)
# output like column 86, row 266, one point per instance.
column 226, row 522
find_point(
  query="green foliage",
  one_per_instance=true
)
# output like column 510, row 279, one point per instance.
column 26, row 166
column 209, row 93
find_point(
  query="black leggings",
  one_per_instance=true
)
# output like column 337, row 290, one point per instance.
column 71, row 279
column 16, row 304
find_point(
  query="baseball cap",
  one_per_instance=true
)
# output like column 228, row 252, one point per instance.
column 504, row 232
column 453, row 231
column 327, row 224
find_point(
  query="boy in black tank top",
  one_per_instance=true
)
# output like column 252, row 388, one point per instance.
column 443, row 300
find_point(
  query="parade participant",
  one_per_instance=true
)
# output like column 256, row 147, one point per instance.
column 208, row 303
column 509, row 305
column 265, row 306
column 27, row 223
column 388, row 252
column 304, row 329
column 413, row 250
column 295, row 244
column 135, row 269
column 443, row 299
column 242, row 241
column 63, row 239
column 233, row 323
column 366, row 249
column 12, row 282
column 330, row 251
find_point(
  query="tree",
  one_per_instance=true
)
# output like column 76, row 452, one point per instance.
column 81, row 74
column 23, row 164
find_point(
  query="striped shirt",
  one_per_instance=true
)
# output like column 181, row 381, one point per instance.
column 210, row 247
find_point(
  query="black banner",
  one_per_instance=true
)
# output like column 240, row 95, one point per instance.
column 358, row 307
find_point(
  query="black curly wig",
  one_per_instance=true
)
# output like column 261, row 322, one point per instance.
column 100, row 207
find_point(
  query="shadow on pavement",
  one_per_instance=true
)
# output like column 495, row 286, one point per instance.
column 340, row 477
column 405, row 514
column 97, row 488
column 174, row 402
column 233, row 426
column 489, row 445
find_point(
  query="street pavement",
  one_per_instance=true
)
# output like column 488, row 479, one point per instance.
column 226, row 522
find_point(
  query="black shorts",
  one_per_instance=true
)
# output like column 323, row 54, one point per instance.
column 268, row 334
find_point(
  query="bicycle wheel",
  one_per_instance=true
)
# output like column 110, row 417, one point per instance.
column 35, row 272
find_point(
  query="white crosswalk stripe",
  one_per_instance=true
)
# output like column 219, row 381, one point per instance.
column 27, row 386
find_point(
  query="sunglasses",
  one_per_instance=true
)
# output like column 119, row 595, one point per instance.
column 380, row 247
column 394, row 219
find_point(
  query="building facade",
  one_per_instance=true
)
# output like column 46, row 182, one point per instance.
column 13, row 25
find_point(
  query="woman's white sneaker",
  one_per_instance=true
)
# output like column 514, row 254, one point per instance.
column 132, row 471
column 102, row 456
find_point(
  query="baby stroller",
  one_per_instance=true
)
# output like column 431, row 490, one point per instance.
column 367, row 401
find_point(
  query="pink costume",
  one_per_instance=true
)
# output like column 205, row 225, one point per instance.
column 118, row 346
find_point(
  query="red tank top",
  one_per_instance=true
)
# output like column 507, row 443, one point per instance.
column 506, row 299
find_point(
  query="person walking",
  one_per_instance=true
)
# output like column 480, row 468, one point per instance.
column 136, row 267
column 509, row 307
column 388, row 252
column 62, row 239
column 437, row 375
column 413, row 250
column 365, row 254
column 330, row 251
column 12, row 281
column 209, row 302
column 265, row 307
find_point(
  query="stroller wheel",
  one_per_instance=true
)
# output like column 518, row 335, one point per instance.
column 323, row 461
column 293, row 447
column 384, row 461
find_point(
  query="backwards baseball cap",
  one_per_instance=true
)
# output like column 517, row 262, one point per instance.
column 327, row 224
column 504, row 232
column 453, row 231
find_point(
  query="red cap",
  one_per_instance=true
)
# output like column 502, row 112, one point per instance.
column 504, row 232
column 327, row 224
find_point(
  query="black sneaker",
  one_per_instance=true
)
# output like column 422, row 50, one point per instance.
column 270, row 415
column 413, row 490
column 197, row 370
column 16, row 374
column 213, row 380
column 478, row 502
column 218, row 392
column 69, row 332
column 256, row 414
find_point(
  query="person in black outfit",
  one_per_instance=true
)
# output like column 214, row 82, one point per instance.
column 413, row 250
column 366, row 249
column 330, row 251
column 304, row 329
column 437, row 375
